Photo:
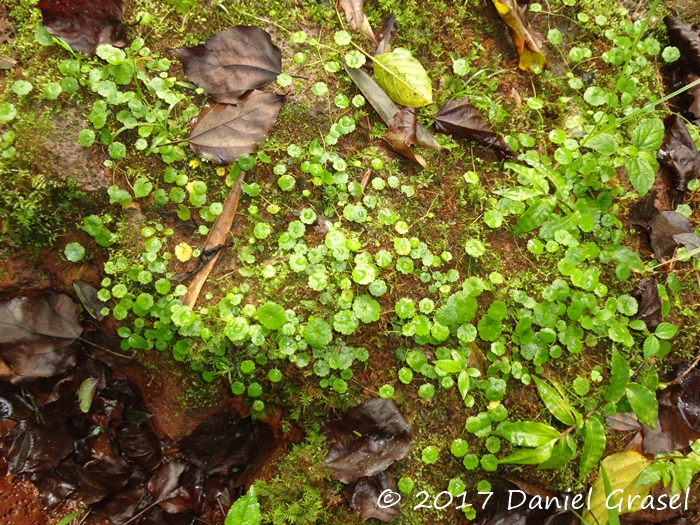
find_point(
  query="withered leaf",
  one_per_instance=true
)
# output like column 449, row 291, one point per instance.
column 366, row 440
column 178, row 487
column 623, row 422
column 356, row 18
column 526, row 43
column 664, row 227
column 55, row 485
column 678, row 153
column 232, row 62
column 401, row 134
column 390, row 27
column 686, row 37
column 35, row 447
column 364, row 497
column 691, row 241
column 139, row 443
column 85, row 24
column 647, row 296
column 460, row 118
column 101, row 471
column 224, row 132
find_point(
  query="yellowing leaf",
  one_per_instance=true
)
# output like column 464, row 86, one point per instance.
column 622, row 470
column 403, row 78
column 527, row 46
column 183, row 252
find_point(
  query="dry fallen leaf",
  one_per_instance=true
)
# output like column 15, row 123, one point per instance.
column 223, row 132
column 460, row 118
column 85, row 24
column 232, row 62
column 678, row 153
column 401, row 134
column 527, row 45
column 357, row 18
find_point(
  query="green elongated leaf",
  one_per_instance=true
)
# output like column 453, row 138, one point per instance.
column 519, row 193
column 245, row 510
column 649, row 134
column 640, row 173
column 535, row 215
column 621, row 374
column 643, row 402
column 613, row 516
column 622, row 471
column 403, row 78
column 555, row 403
column 604, row 144
column 463, row 384
column 530, row 456
column 527, row 433
column 534, row 177
column 67, row 519
column 448, row 365
column 86, row 392
column 561, row 454
column 593, row 447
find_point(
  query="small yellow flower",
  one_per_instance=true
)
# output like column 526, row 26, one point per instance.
column 220, row 172
column 194, row 164
column 190, row 186
column 183, row 252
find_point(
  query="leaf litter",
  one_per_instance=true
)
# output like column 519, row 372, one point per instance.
column 527, row 44
column 678, row 153
column 356, row 18
column 401, row 135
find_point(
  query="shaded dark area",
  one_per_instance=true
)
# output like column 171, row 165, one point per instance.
column 460, row 118
column 85, row 24
column 232, row 62
column 102, row 450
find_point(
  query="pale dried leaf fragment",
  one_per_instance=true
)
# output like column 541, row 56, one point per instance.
column 357, row 18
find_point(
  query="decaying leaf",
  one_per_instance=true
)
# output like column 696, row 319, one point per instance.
column 401, row 135
column 88, row 296
column 686, row 37
column 223, row 132
column 385, row 107
column 7, row 62
column 37, row 335
column 647, row 296
column 461, row 119
column 527, row 45
column 232, row 62
column 364, row 496
column 664, row 228
column 85, row 24
column 139, row 443
column 623, row 422
column 403, row 78
column 678, row 153
column 622, row 470
column 366, row 440
column 217, row 236
column 37, row 448
column 390, row 27
column 356, row 18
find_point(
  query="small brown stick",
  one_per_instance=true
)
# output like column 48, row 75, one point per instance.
column 363, row 183
column 217, row 236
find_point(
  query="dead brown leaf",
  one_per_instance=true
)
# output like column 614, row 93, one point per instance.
column 357, row 18
column 401, row 134
column 232, row 62
column 223, row 132
column 526, row 43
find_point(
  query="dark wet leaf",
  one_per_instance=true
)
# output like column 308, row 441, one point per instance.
column 85, row 24
column 55, row 485
column 691, row 241
column 385, row 107
column 232, row 62
column 390, row 27
column 401, row 134
column 166, row 479
column 623, row 422
column 647, row 296
column 356, row 18
column 686, row 37
column 178, row 487
column 364, row 497
column 87, row 294
column 526, row 43
column 664, row 227
column 36, row 447
column 644, row 210
column 366, row 440
column 140, row 444
column 460, row 118
column 678, row 153
column 158, row 516
column 224, row 132
column 679, row 417
column 122, row 506
column 101, row 471
column 224, row 441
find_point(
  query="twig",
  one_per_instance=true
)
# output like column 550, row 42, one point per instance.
column 134, row 518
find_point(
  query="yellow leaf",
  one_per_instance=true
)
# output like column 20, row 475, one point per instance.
column 403, row 78
column 528, row 47
column 622, row 470
column 183, row 252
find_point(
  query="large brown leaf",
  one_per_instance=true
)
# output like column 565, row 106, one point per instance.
column 368, row 438
column 357, row 18
column 232, row 62
column 85, row 24
column 647, row 295
column 224, row 132
column 364, row 496
column 401, row 134
column 461, row 119
column 526, row 43
column 686, row 37
column 678, row 153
